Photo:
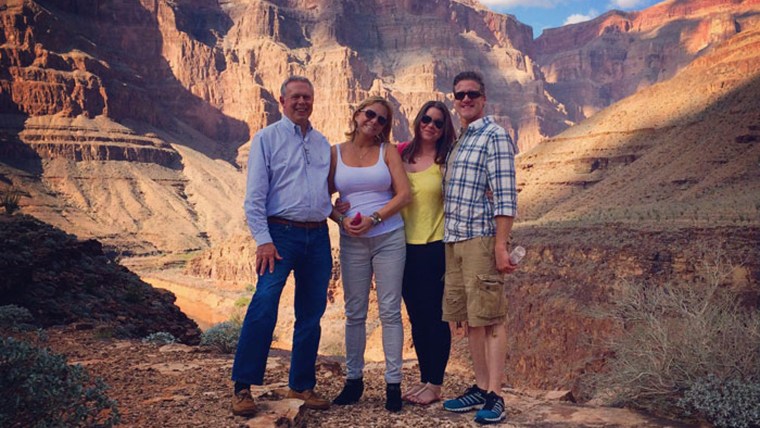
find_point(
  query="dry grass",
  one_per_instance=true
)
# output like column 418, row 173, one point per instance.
column 678, row 334
column 9, row 200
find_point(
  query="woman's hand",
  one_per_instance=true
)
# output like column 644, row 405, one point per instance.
column 360, row 229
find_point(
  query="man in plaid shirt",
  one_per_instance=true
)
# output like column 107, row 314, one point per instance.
column 476, row 237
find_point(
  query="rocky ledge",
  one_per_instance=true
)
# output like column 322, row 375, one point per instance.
column 62, row 280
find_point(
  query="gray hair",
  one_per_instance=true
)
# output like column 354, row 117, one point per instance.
column 294, row 79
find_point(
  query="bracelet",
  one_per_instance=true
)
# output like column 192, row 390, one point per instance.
column 376, row 219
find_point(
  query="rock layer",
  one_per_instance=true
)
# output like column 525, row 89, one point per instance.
column 591, row 65
column 677, row 154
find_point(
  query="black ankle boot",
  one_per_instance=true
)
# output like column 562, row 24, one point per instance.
column 352, row 392
column 393, row 397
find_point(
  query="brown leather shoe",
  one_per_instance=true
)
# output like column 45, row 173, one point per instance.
column 243, row 404
column 310, row 399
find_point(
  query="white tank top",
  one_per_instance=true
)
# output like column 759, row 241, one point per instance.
column 367, row 189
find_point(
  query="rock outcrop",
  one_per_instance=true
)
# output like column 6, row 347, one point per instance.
column 62, row 280
column 676, row 154
column 591, row 65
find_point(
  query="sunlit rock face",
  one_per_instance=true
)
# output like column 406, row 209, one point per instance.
column 591, row 65
column 121, row 117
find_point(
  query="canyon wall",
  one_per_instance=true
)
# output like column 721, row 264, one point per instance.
column 681, row 153
column 161, row 97
column 591, row 65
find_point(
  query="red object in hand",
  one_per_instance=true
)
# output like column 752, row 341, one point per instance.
column 357, row 219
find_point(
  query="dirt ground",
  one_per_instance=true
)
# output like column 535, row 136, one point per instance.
column 182, row 386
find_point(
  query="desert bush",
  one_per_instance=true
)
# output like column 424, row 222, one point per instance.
column 41, row 390
column 223, row 336
column 242, row 302
column 676, row 336
column 9, row 200
column 732, row 403
column 15, row 318
column 160, row 338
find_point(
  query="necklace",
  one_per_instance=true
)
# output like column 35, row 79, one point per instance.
column 360, row 153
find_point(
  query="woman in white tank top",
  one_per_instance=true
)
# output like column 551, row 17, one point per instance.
column 370, row 177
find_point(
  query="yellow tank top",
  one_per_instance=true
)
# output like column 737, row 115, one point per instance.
column 423, row 217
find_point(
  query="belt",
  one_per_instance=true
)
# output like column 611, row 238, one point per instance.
column 299, row 224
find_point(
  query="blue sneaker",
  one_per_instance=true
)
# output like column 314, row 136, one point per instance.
column 493, row 411
column 473, row 398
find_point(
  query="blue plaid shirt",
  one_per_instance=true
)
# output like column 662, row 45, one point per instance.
column 482, row 159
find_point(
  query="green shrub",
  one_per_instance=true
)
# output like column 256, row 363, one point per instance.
column 676, row 336
column 160, row 338
column 223, row 336
column 239, row 309
column 15, row 318
column 732, row 403
column 40, row 390
column 242, row 302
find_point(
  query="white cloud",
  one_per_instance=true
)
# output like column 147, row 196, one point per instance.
column 580, row 17
column 625, row 4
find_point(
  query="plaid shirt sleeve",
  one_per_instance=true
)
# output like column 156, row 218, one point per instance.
column 500, row 167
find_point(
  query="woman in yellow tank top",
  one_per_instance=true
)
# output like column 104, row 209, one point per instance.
column 422, row 288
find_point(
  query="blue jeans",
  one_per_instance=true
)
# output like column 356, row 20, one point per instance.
column 384, row 256
column 306, row 252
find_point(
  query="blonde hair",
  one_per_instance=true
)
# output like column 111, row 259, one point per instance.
column 385, row 134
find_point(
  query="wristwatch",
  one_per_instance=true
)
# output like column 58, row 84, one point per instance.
column 340, row 220
column 376, row 219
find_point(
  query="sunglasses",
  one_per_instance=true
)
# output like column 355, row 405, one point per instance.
column 427, row 119
column 371, row 114
column 459, row 96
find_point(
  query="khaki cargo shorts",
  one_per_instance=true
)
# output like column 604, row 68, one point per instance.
column 474, row 289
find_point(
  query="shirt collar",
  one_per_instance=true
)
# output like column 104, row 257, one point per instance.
column 483, row 121
column 289, row 124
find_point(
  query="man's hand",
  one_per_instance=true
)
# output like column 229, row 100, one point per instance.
column 342, row 206
column 265, row 256
column 503, row 264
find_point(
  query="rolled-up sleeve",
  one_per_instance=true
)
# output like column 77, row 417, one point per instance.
column 257, row 191
column 501, row 173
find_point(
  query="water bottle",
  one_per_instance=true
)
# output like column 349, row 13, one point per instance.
column 516, row 255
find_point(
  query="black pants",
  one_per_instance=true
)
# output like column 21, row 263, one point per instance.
column 423, row 295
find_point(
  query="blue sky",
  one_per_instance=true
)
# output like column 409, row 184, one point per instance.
column 541, row 14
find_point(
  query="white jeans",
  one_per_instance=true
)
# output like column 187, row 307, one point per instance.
column 384, row 256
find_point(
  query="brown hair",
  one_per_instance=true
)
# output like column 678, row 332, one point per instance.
column 470, row 75
column 385, row 134
column 442, row 145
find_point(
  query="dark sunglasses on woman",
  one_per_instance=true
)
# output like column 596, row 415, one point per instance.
column 371, row 114
column 459, row 96
column 425, row 119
